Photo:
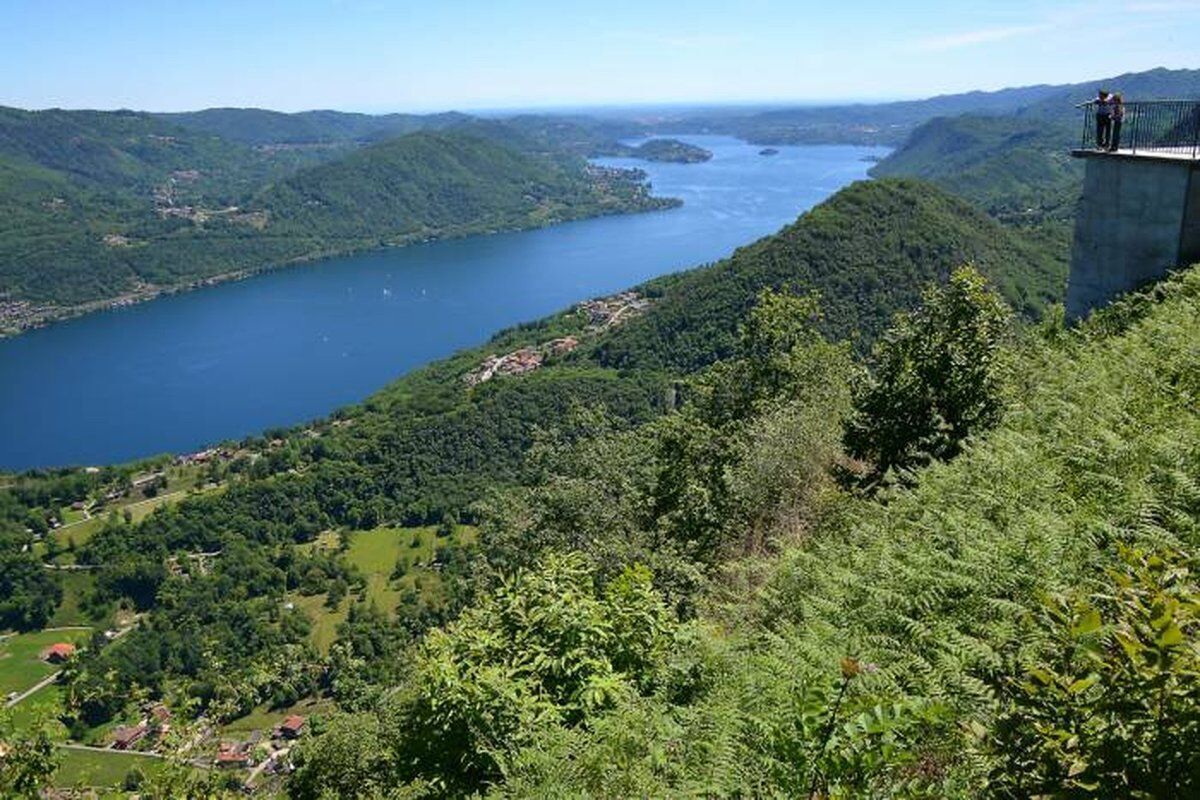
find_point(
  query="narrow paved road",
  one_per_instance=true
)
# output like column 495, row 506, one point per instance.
column 42, row 684
column 109, row 750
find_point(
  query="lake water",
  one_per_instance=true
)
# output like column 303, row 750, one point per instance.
column 283, row 347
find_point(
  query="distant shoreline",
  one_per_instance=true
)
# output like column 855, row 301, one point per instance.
column 44, row 317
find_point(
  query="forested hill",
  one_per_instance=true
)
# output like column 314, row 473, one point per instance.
column 866, row 252
column 105, row 205
column 262, row 127
column 431, row 184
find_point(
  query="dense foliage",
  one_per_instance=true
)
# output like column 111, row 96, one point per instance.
column 867, row 252
column 936, row 379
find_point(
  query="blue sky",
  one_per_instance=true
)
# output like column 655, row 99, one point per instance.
column 373, row 55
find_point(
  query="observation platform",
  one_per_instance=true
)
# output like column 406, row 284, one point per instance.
column 1139, row 216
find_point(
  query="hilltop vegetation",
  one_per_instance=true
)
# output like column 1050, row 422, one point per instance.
column 261, row 127
column 671, row 150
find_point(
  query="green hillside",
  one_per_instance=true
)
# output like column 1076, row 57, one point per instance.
column 100, row 206
column 866, row 252
column 428, row 185
column 262, row 127
column 976, row 611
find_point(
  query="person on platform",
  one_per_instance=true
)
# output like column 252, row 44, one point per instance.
column 1103, row 106
column 1117, row 113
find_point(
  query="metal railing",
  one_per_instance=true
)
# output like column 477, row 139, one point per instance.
column 1151, row 127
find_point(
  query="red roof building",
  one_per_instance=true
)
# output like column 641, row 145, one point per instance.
column 290, row 727
column 58, row 653
column 232, row 758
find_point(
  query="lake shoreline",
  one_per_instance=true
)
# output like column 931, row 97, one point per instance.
column 286, row 346
column 43, row 317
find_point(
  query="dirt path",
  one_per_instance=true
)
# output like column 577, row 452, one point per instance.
column 262, row 765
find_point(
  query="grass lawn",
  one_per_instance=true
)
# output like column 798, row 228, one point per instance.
column 70, row 515
column 142, row 509
column 79, row 532
column 46, row 704
column 74, row 586
column 375, row 553
column 20, row 663
column 92, row 768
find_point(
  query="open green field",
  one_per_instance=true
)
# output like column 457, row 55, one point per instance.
column 183, row 481
column 78, row 532
column 21, row 665
column 74, row 586
column 375, row 554
column 44, row 705
column 80, row 768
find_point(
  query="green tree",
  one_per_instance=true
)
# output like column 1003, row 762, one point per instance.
column 936, row 380
column 350, row 759
column 549, row 648
column 28, row 758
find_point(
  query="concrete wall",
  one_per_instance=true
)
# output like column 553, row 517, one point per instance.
column 1139, row 218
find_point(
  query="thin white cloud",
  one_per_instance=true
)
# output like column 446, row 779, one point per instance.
column 953, row 41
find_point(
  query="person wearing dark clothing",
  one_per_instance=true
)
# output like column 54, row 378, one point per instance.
column 1118, row 116
column 1103, row 104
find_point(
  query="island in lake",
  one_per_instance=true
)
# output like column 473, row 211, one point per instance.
column 671, row 150
column 768, row 151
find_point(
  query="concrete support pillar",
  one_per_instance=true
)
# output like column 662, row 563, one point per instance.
column 1139, row 218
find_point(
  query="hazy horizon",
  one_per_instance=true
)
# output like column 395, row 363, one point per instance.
column 372, row 57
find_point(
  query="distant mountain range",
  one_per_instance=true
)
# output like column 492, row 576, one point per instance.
column 111, row 207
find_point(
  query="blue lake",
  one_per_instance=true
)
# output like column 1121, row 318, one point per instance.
column 283, row 347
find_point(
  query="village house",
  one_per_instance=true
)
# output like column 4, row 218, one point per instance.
column 230, row 756
column 126, row 737
column 290, row 728
column 58, row 653
column 160, row 717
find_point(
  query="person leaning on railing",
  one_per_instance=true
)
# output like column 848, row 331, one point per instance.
column 1118, row 116
column 1103, row 107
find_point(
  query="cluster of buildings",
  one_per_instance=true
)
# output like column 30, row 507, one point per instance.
column 202, row 456
column 520, row 361
column 604, row 312
column 237, row 755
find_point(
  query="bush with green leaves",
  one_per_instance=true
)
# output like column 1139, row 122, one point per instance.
column 1113, row 708
column 936, row 378
column 28, row 758
column 549, row 648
